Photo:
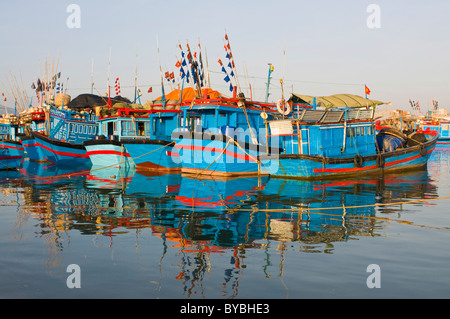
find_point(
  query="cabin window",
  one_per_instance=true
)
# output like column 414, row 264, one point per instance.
column 141, row 128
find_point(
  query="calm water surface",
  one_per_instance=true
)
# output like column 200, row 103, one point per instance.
column 134, row 235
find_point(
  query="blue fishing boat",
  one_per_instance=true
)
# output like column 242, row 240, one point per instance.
column 33, row 120
column 224, row 136
column 11, row 148
column 107, row 148
column 130, row 135
column 440, row 129
column 68, row 130
column 341, row 141
column 156, row 150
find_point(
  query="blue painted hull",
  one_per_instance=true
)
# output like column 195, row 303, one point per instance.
column 443, row 143
column 61, row 153
column 315, row 167
column 153, row 154
column 33, row 151
column 11, row 154
column 104, row 153
column 217, row 155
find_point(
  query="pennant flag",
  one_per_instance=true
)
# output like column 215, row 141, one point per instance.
column 33, row 86
column 367, row 90
column 117, row 87
column 227, row 78
column 150, row 90
column 178, row 64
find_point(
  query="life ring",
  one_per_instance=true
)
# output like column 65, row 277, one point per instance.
column 358, row 160
column 286, row 107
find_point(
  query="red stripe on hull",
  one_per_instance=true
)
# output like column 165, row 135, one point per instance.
column 216, row 150
column 107, row 152
column 356, row 169
column 63, row 153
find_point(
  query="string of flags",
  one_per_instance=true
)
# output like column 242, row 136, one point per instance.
column 193, row 67
column 41, row 86
column 117, row 86
column 435, row 105
column 415, row 105
column 227, row 78
column 230, row 64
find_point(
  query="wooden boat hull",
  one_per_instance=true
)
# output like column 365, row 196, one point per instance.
column 107, row 152
column 60, row 152
column 217, row 155
column 11, row 154
column 33, row 151
column 315, row 167
column 152, row 154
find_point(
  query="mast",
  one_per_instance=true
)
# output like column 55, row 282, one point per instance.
column 108, row 86
column 92, row 76
column 163, row 97
column 268, row 81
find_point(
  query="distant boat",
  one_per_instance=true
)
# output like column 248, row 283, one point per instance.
column 440, row 128
column 11, row 148
column 339, row 142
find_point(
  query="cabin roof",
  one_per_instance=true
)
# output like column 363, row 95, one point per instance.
column 337, row 100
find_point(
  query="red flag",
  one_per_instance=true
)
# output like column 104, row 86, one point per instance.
column 149, row 90
column 167, row 75
column 178, row 64
column 172, row 75
column 367, row 90
column 220, row 62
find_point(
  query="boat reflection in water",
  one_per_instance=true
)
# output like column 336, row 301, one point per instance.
column 198, row 217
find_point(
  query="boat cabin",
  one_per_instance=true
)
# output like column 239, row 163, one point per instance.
column 128, row 123
column 327, row 133
column 72, row 127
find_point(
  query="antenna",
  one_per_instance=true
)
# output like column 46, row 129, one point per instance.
column 92, row 76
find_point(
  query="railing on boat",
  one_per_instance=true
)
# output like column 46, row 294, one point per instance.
column 317, row 117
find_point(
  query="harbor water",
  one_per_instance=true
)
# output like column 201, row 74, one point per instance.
column 113, row 234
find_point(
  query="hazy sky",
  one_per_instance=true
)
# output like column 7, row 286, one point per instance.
column 329, row 46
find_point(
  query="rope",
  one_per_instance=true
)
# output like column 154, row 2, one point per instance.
column 100, row 168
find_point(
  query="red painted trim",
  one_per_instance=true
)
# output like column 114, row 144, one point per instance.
column 30, row 145
column 168, row 153
column 215, row 149
column 10, row 157
column 355, row 169
column 107, row 152
column 63, row 153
